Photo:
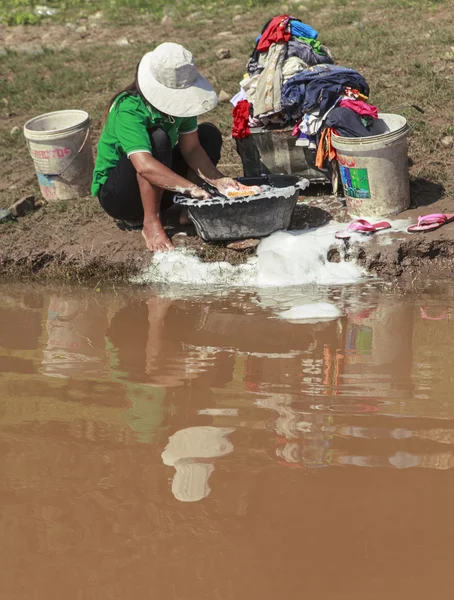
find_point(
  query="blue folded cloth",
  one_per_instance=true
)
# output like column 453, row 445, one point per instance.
column 299, row 29
column 318, row 88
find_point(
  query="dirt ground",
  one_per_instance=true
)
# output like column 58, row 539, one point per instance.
column 84, row 245
column 81, row 63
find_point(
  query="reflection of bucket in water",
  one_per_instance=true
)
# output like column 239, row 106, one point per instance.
column 59, row 143
column 374, row 170
column 72, row 346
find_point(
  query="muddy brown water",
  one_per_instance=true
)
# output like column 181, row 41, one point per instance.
column 172, row 445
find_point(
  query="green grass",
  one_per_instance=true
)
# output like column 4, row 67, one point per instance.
column 402, row 47
column 24, row 12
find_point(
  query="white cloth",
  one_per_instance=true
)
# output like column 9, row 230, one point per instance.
column 268, row 97
column 312, row 122
column 249, row 85
column 292, row 66
column 238, row 97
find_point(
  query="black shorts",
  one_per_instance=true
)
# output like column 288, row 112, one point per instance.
column 120, row 194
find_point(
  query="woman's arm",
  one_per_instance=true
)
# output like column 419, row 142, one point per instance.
column 198, row 160
column 162, row 177
column 153, row 178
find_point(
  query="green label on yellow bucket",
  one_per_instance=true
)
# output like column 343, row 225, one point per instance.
column 355, row 182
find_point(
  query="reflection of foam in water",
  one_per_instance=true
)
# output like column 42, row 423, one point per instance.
column 189, row 451
column 190, row 482
column 283, row 259
column 219, row 412
column 322, row 311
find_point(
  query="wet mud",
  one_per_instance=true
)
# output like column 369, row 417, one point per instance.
column 80, row 243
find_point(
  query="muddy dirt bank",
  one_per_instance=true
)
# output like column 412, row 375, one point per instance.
column 76, row 241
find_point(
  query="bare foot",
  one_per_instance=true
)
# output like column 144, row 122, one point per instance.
column 156, row 239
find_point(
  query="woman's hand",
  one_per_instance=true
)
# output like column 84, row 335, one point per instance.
column 225, row 183
column 234, row 189
column 198, row 193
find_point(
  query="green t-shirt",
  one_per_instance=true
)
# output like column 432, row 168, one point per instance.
column 126, row 131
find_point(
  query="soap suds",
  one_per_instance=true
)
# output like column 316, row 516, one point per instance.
column 284, row 259
column 267, row 192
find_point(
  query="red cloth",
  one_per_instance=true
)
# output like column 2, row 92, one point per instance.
column 360, row 107
column 274, row 33
column 241, row 114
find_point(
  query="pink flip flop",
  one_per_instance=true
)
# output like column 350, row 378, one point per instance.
column 430, row 222
column 361, row 226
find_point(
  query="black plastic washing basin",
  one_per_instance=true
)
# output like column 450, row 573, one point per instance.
column 240, row 218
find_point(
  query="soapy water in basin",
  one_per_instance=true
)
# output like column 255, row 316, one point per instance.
column 267, row 192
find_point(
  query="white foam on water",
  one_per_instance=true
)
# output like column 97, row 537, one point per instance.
column 321, row 311
column 219, row 412
column 183, row 267
column 283, row 259
column 301, row 257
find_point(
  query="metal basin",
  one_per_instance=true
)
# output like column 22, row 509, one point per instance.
column 241, row 218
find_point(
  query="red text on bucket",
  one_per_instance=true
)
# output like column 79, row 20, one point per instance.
column 54, row 153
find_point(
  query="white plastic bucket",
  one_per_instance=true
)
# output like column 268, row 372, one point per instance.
column 59, row 143
column 374, row 170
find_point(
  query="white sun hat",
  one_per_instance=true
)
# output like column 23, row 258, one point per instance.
column 169, row 81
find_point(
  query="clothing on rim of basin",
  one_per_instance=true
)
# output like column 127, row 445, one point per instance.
column 347, row 123
column 360, row 107
column 269, row 87
column 249, row 85
column 313, row 122
column 126, row 131
column 241, row 114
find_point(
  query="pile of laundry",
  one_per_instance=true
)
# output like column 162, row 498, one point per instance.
column 292, row 80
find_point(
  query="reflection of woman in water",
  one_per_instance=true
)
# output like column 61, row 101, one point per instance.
column 151, row 347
